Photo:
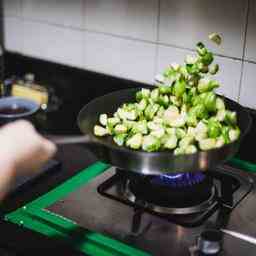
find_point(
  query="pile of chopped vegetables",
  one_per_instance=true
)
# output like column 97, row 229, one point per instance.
column 183, row 113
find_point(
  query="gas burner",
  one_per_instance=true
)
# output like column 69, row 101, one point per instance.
column 187, row 199
column 172, row 194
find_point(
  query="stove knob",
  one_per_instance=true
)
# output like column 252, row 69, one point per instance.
column 210, row 242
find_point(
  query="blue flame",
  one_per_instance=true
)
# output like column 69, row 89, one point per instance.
column 179, row 179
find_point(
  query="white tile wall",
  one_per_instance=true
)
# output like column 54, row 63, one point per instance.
column 228, row 76
column 13, row 28
column 12, row 7
column 62, row 45
column 184, row 23
column 248, row 90
column 137, row 19
column 130, row 38
column 250, row 50
column 120, row 57
column 65, row 12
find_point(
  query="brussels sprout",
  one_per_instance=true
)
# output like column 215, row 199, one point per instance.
column 205, row 85
column 158, row 133
column 207, row 144
column 119, row 139
column 170, row 142
column 191, row 149
column 225, row 134
column 180, row 121
column 187, row 140
column 175, row 101
column 230, row 117
column 120, row 128
column 154, row 95
column 203, row 68
column 210, row 101
column 154, row 126
column 140, row 127
column 199, row 111
column 191, row 119
column 100, row 131
column 191, row 131
column 170, row 114
column 151, row 143
column 151, row 110
column 220, row 142
column 193, row 69
column 216, row 38
column 103, row 119
column 129, row 124
column 180, row 133
column 233, row 134
column 165, row 89
column 221, row 114
column 214, row 129
column 207, row 58
column 142, row 105
column 163, row 100
column 135, row 141
column 214, row 69
column 143, row 93
column 158, row 120
column 111, row 122
column 179, row 88
column 171, row 131
column 220, row 105
column 190, row 59
column 201, row 131
column 179, row 151
column 160, row 112
column 200, row 48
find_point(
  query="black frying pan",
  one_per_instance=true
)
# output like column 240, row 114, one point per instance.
column 143, row 162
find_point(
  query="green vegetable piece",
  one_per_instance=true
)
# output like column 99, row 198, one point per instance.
column 112, row 121
column 186, row 141
column 165, row 89
column 129, row 124
column 160, row 111
column 119, row 139
column 216, row 38
column 170, row 142
column 158, row 133
column 158, row 120
column 180, row 133
column 172, row 131
column 191, row 149
column 193, row 69
column 191, row 119
column 100, row 131
column 140, row 127
column 190, row 59
column 154, row 95
column 200, row 48
column 143, row 93
column 151, row 143
column 154, row 126
column 225, row 134
column 207, row 58
column 201, row 131
column 230, row 117
column 220, row 142
column 206, row 85
column 221, row 114
column 179, row 88
column 234, row 134
column 214, row 129
column 151, row 110
column 135, row 141
column 191, row 131
column 163, row 100
column 120, row 128
column 210, row 101
column 214, row 69
column 203, row 68
column 199, row 111
column 207, row 144
column 220, row 103
column 103, row 119
column 175, row 101
column 179, row 151
column 142, row 105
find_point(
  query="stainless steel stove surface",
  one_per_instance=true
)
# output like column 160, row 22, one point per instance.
column 109, row 212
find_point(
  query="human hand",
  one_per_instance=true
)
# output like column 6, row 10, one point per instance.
column 22, row 151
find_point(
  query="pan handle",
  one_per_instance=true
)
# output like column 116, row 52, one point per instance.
column 69, row 139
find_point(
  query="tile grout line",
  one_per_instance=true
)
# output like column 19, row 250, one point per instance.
column 244, row 49
column 157, row 40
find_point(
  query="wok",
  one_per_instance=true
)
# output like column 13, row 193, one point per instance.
column 141, row 162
